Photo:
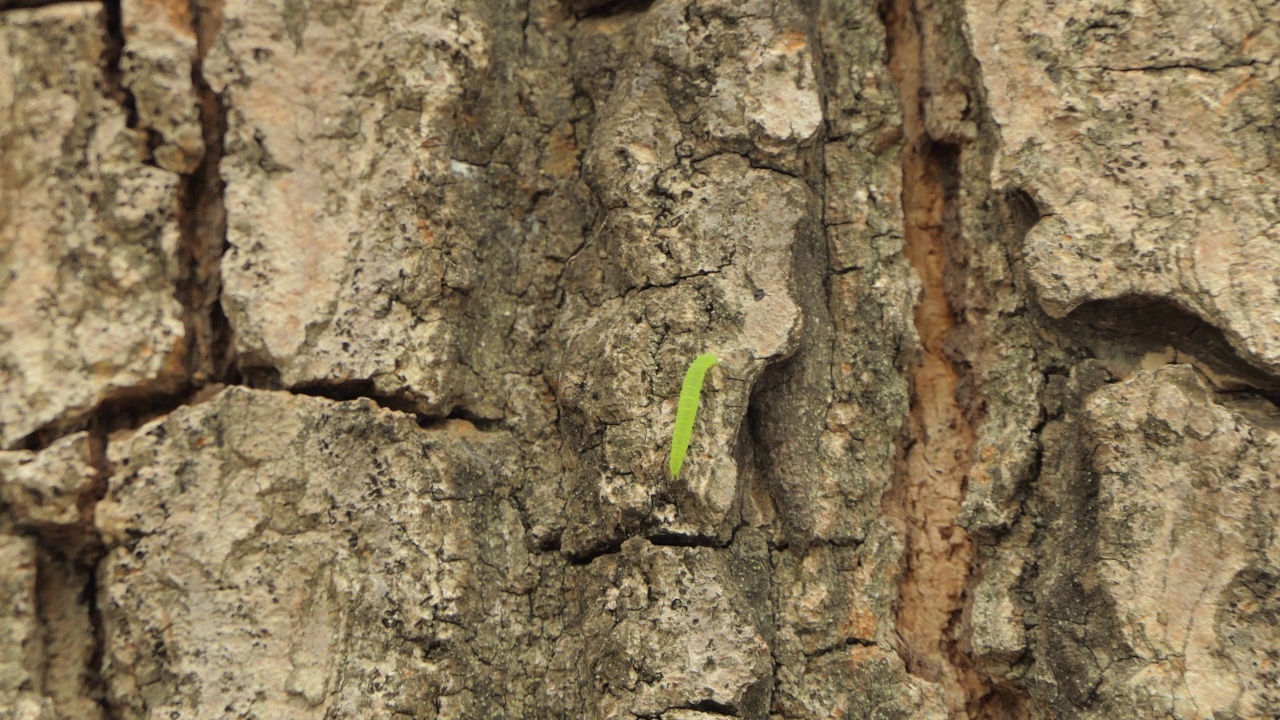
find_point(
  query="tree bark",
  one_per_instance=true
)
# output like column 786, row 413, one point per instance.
column 342, row 345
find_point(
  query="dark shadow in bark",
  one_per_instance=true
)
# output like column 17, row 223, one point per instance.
column 346, row 390
column 606, row 8
column 1127, row 329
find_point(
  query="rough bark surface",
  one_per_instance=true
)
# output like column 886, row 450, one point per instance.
column 87, row 306
column 1151, row 155
column 1166, row 607
column 341, row 343
column 345, row 526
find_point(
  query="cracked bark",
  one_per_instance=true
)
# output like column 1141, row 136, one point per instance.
column 342, row 343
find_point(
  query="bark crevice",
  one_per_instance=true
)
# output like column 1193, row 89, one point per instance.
column 202, row 223
column 930, row 478
column 114, row 79
column 1141, row 333
column 7, row 5
column 348, row 390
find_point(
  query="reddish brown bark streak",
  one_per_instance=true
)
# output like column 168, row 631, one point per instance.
column 939, row 441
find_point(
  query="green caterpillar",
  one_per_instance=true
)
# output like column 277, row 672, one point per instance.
column 687, row 410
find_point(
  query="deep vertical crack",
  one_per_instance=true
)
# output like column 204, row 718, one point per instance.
column 931, row 476
column 201, row 220
column 95, row 680
column 113, row 53
column 203, row 224
column 114, row 81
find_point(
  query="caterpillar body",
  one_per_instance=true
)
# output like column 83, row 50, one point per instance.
column 687, row 410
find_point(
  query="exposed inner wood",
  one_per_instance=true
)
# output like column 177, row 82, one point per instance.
column 940, row 439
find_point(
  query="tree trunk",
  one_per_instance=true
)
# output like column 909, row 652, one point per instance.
column 342, row 344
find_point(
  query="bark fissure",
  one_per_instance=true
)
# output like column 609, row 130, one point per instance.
column 125, row 411
column 711, row 707
column 6, row 5
column 930, row 478
column 202, row 224
column 591, row 554
column 1140, row 333
column 116, row 86
column 348, row 390
column 95, row 679
column 201, row 220
column 607, row 8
